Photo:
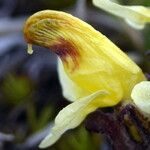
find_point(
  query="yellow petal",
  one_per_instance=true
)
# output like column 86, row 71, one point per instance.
column 136, row 16
column 71, row 116
column 141, row 96
column 70, row 90
column 90, row 60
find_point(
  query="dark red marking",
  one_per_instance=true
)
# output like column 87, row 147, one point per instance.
column 65, row 49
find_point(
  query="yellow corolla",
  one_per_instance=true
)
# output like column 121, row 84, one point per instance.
column 93, row 72
column 136, row 16
column 141, row 96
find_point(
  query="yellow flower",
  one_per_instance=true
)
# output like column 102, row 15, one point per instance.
column 136, row 16
column 141, row 96
column 93, row 72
